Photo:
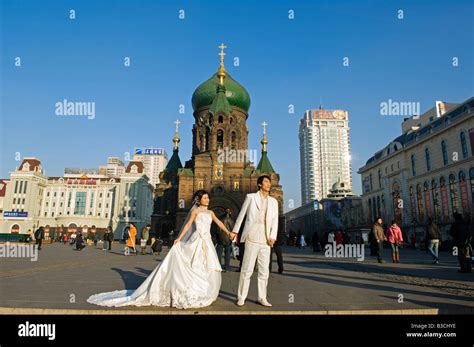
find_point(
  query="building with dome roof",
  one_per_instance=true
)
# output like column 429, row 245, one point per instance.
column 220, row 161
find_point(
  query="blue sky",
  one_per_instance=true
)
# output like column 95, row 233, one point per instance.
column 282, row 62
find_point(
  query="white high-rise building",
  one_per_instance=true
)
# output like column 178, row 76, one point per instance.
column 324, row 153
column 154, row 161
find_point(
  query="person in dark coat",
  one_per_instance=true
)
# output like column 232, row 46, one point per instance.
column 277, row 248
column 379, row 238
column 39, row 237
column 79, row 241
column 461, row 235
column 224, row 243
column 315, row 242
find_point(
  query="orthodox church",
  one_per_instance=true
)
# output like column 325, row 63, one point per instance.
column 220, row 158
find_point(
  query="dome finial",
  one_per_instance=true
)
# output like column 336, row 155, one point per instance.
column 221, row 72
column 264, row 138
column 176, row 135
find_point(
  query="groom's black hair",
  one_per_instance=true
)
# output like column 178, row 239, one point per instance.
column 260, row 180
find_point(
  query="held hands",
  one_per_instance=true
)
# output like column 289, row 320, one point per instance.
column 271, row 242
column 176, row 242
column 231, row 235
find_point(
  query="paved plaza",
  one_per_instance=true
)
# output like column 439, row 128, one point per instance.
column 62, row 279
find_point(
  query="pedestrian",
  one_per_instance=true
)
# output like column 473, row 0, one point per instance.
column 110, row 235
column 95, row 237
column 224, row 243
column 395, row 238
column 379, row 238
column 39, row 237
column 315, row 242
column 461, row 235
column 433, row 239
column 144, row 237
column 331, row 238
column 339, row 238
column 79, row 241
column 132, row 238
column 278, row 250
column 413, row 240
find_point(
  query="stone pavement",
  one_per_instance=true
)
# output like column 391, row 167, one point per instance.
column 311, row 284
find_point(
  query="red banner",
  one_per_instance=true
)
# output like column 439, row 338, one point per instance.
column 464, row 196
column 428, row 204
column 444, row 202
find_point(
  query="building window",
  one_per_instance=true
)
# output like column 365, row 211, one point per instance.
column 24, row 189
column 92, row 200
column 220, row 119
column 220, row 138
column 453, row 191
column 380, row 178
column 21, row 187
column 428, row 159
column 16, row 187
column 370, row 181
column 413, row 165
column 412, row 203
column 463, row 145
column 397, row 204
column 379, row 213
column 444, row 149
column 80, row 206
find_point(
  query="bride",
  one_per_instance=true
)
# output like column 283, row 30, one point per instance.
column 189, row 276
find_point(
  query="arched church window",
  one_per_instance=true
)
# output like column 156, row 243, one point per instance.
column 220, row 138
column 231, row 120
column 220, row 119
column 233, row 140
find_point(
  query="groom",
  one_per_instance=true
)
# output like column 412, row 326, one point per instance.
column 259, row 235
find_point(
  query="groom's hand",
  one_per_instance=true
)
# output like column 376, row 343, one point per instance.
column 231, row 236
column 271, row 242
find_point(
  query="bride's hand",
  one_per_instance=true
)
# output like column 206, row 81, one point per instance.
column 176, row 241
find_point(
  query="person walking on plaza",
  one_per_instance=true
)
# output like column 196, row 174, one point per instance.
column 395, row 238
column 461, row 235
column 277, row 249
column 224, row 243
column 339, row 238
column 39, row 237
column 132, row 238
column 95, row 237
column 433, row 239
column 379, row 238
column 315, row 242
column 144, row 238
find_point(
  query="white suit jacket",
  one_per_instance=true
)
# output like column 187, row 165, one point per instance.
column 251, row 208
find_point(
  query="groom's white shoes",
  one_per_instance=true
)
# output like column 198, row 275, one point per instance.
column 240, row 303
column 264, row 302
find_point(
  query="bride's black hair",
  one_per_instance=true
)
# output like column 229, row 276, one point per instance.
column 198, row 196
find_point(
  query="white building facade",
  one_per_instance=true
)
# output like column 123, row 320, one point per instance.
column 75, row 202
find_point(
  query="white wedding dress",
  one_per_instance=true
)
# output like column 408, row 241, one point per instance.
column 188, row 277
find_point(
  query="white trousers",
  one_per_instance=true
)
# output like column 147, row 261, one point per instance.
column 260, row 253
